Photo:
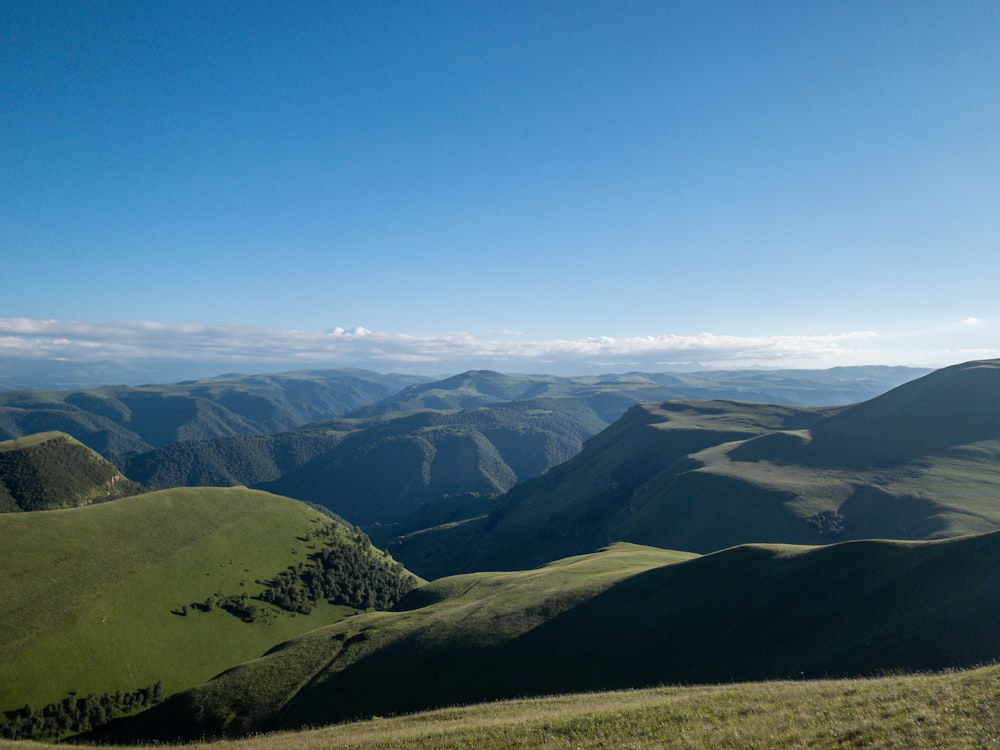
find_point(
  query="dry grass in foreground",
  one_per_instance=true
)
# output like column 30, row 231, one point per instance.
column 954, row 710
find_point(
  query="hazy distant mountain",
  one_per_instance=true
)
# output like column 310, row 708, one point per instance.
column 919, row 462
column 114, row 420
column 839, row 385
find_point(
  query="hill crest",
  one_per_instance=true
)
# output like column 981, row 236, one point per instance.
column 53, row 470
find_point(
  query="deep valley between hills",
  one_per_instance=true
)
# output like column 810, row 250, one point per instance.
column 271, row 553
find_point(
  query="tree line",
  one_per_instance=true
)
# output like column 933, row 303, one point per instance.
column 73, row 715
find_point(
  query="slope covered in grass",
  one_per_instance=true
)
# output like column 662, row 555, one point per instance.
column 919, row 462
column 53, row 470
column 103, row 598
column 950, row 711
column 623, row 618
column 570, row 509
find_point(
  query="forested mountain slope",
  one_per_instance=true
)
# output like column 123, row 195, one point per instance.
column 52, row 470
column 115, row 420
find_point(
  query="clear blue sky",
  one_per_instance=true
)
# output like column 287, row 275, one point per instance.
column 570, row 186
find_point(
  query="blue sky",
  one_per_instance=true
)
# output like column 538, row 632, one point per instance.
column 537, row 186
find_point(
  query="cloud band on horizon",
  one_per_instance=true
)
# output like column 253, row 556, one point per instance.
column 128, row 341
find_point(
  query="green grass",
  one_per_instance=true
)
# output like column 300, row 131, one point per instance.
column 943, row 711
column 480, row 611
column 627, row 617
column 88, row 592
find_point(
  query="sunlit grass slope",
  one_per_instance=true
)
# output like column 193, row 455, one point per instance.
column 89, row 592
column 627, row 617
column 441, row 622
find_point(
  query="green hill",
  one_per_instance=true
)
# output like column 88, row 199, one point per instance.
column 919, row 462
column 52, row 470
column 623, row 618
column 119, row 596
column 116, row 420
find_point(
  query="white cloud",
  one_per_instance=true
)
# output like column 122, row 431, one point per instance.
column 970, row 321
column 236, row 346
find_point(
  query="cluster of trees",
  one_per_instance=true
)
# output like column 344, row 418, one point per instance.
column 240, row 605
column 341, row 572
column 345, row 569
column 73, row 715
column 827, row 523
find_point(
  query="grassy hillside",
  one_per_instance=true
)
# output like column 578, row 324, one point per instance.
column 569, row 510
column 116, row 420
column 951, row 711
column 919, row 462
column 52, row 470
column 109, row 597
column 626, row 617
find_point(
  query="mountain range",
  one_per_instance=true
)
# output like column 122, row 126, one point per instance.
column 472, row 435
column 117, row 420
column 918, row 462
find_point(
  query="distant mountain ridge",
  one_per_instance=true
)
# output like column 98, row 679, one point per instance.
column 115, row 420
column 477, row 433
column 838, row 385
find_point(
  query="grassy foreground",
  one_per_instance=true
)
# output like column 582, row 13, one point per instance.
column 954, row 710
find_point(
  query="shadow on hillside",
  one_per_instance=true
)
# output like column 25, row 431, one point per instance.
column 748, row 613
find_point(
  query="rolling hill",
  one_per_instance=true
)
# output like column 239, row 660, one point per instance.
column 622, row 618
column 115, row 420
column 52, row 470
column 919, row 462
column 165, row 586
